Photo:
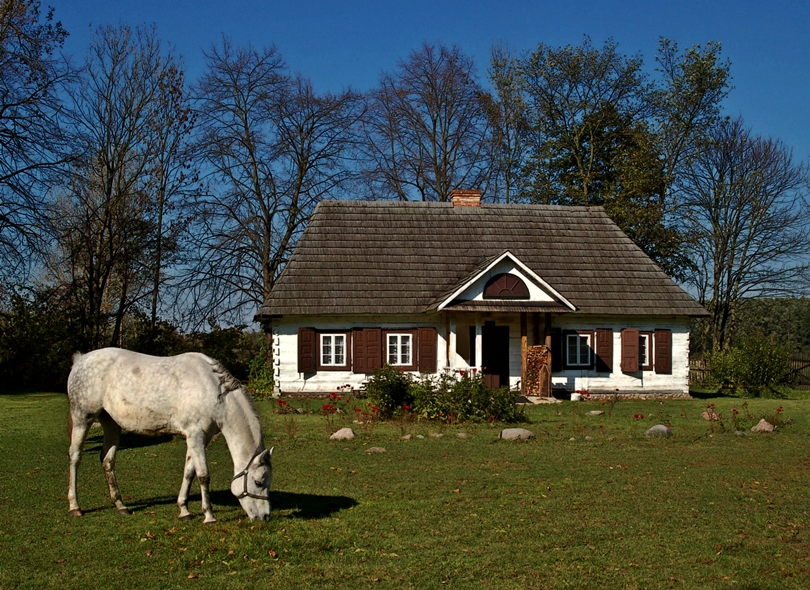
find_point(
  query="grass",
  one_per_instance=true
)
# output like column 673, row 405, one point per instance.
column 703, row 509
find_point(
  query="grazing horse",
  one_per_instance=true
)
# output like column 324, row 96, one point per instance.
column 189, row 394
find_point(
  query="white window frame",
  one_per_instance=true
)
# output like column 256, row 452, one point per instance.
column 587, row 338
column 398, row 339
column 645, row 351
column 330, row 359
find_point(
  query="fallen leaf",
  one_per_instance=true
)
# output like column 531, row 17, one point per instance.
column 192, row 576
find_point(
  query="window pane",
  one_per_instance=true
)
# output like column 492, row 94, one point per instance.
column 340, row 346
column 405, row 349
column 643, row 341
column 326, row 350
column 584, row 351
column 571, row 341
column 392, row 349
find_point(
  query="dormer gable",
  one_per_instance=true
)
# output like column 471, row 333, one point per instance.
column 504, row 277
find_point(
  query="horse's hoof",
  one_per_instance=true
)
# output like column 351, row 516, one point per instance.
column 186, row 517
column 76, row 512
column 126, row 511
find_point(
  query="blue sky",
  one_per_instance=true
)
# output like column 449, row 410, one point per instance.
column 340, row 43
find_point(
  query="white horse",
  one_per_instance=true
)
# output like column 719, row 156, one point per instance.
column 188, row 394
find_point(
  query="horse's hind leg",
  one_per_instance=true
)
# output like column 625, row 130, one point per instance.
column 188, row 477
column 79, row 425
column 112, row 436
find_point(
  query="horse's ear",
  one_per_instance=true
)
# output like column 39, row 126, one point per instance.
column 270, row 456
column 263, row 458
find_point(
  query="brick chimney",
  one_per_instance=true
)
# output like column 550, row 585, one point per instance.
column 465, row 197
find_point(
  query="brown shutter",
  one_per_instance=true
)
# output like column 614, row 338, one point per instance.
column 374, row 353
column 604, row 350
column 630, row 350
column 366, row 349
column 427, row 350
column 306, row 350
column 557, row 351
column 358, row 351
column 663, row 352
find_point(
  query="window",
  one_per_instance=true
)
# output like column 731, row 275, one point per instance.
column 399, row 350
column 333, row 350
column 578, row 350
column 645, row 351
column 506, row 286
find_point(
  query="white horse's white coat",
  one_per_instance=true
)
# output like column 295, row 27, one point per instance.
column 189, row 394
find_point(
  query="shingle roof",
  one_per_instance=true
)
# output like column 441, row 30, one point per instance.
column 399, row 257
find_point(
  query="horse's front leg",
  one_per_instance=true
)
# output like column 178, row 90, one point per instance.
column 196, row 450
column 112, row 436
column 188, row 477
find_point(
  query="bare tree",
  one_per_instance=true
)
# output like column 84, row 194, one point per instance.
column 31, row 139
column 426, row 128
column 110, row 220
column 745, row 210
column 272, row 149
column 507, row 112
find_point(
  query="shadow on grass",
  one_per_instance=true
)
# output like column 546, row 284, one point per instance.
column 305, row 506
column 129, row 440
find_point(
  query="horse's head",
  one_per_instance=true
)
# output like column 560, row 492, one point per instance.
column 252, row 485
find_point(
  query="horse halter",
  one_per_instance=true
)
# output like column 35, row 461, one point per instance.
column 244, row 474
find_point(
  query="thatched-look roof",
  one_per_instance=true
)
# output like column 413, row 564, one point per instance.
column 405, row 257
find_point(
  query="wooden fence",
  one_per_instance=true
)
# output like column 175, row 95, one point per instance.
column 799, row 366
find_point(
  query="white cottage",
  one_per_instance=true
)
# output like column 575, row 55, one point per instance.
column 541, row 298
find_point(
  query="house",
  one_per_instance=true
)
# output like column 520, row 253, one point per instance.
column 543, row 298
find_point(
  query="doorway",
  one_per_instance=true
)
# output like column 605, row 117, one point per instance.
column 495, row 355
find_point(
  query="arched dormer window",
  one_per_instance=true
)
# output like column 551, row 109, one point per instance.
column 506, row 286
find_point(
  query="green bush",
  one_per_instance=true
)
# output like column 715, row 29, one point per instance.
column 758, row 366
column 390, row 389
column 443, row 396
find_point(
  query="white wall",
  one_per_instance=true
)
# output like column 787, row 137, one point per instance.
column 288, row 380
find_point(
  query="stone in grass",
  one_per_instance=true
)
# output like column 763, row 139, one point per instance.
column 406, row 437
column 596, row 412
column 375, row 450
column 343, row 434
column 463, row 435
column 516, row 434
column 763, row 426
column 436, row 434
column 659, row 430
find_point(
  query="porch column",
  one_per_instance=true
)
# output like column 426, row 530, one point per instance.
column 451, row 348
column 479, row 344
column 524, row 350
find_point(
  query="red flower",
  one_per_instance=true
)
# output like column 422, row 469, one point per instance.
column 328, row 409
column 375, row 409
column 462, row 372
column 474, row 370
column 779, row 410
column 357, row 410
column 406, row 407
column 638, row 416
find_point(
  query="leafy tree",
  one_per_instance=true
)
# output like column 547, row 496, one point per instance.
column 602, row 132
column 32, row 145
column 426, row 132
column 745, row 210
column 272, row 149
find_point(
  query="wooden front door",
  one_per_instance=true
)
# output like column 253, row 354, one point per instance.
column 495, row 355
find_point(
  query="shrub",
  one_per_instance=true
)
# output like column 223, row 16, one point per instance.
column 757, row 365
column 449, row 398
column 389, row 389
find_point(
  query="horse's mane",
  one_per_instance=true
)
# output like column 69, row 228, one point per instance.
column 229, row 384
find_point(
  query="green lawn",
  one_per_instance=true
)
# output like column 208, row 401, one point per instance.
column 706, row 508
